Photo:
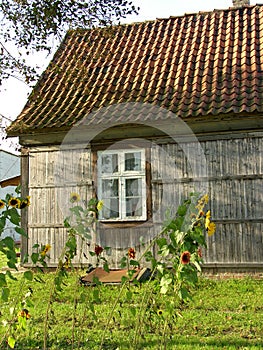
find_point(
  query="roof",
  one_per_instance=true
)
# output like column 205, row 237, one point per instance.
column 201, row 64
column 13, row 181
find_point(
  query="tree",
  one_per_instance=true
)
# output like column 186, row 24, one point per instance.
column 32, row 25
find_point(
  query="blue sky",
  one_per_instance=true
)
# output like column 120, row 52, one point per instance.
column 14, row 97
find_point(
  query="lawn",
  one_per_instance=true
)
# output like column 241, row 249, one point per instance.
column 224, row 314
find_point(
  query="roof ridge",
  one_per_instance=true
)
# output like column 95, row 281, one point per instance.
column 204, row 12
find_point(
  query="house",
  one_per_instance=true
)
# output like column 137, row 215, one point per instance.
column 142, row 114
column 9, row 179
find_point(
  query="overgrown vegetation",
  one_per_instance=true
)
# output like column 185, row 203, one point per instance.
column 171, row 309
column 224, row 314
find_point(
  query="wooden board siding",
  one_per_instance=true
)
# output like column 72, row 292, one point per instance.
column 53, row 176
column 233, row 178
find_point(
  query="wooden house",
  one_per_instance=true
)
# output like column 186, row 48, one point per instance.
column 142, row 114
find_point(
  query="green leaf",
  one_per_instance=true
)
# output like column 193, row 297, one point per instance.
column 160, row 268
column 76, row 210
column 166, row 280
column 10, row 275
column 5, row 294
column 66, row 223
column 165, row 251
column 34, row 257
column 96, row 296
column 21, row 231
column 35, row 246
column 182, row 209
column 197, row 265
column 2, row 280
column 11, row 255
column 184, row 294
column 12, row 264
column 28, row 275
column 9, row 242
column 134, row 263
column 14, row 216
column 2, row 223
column 11, row 342
column 106, row 267
column 129, row 295
column 18, row 189
column 124, row 279
column 123, row 262
column 161, row 242
column 164, row 289
column 71, row 243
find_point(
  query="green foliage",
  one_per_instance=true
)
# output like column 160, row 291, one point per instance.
column 224, row 314
column 33, row 25
column 174, row 272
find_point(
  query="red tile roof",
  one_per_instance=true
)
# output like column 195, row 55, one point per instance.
column 194, row 65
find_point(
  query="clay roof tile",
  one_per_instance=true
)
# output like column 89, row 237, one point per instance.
column 194, row 65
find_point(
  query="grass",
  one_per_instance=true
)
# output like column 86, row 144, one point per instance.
column 224, row 314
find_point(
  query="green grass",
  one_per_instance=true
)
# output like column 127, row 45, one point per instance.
column 224, row 314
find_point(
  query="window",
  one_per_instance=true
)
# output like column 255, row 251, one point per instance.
column 122, row 185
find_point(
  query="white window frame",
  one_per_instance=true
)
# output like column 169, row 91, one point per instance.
column 122, row 175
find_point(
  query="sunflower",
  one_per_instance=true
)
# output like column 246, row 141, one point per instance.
column 2, row 204
column 99, row 205
column 160, row 312
column 211, row 228
column 23, row 313
column 202, row 202
column 14, row 202
column 74, row 197
column 98, row 250
column 131, row 253
column 24, row 202
column 45, row 250
column 185, row 258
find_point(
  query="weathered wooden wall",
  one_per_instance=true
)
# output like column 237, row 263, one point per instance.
column 234, row 181
column 53, row 176
column 232, row 175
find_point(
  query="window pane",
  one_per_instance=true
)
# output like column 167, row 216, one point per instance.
column 110, row 188
column 109, row 163
column 133, row 207
column 133, row 192
column 110, row 197
column 133, row 187
column 133, row 161
column 110, row 208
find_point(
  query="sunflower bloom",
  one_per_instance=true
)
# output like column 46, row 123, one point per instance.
column 2, row 204
column 46, row 249
column 74, row 197
column 159, row 312
column 185, row 258
column 14, row 202
column 131, row 253
column 24, row 202
column 98, row 250
column 24, row 313
column 100, row 205
column 211, row 228
column 202, row 202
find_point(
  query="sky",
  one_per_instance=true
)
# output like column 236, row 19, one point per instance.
column 13, row 94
